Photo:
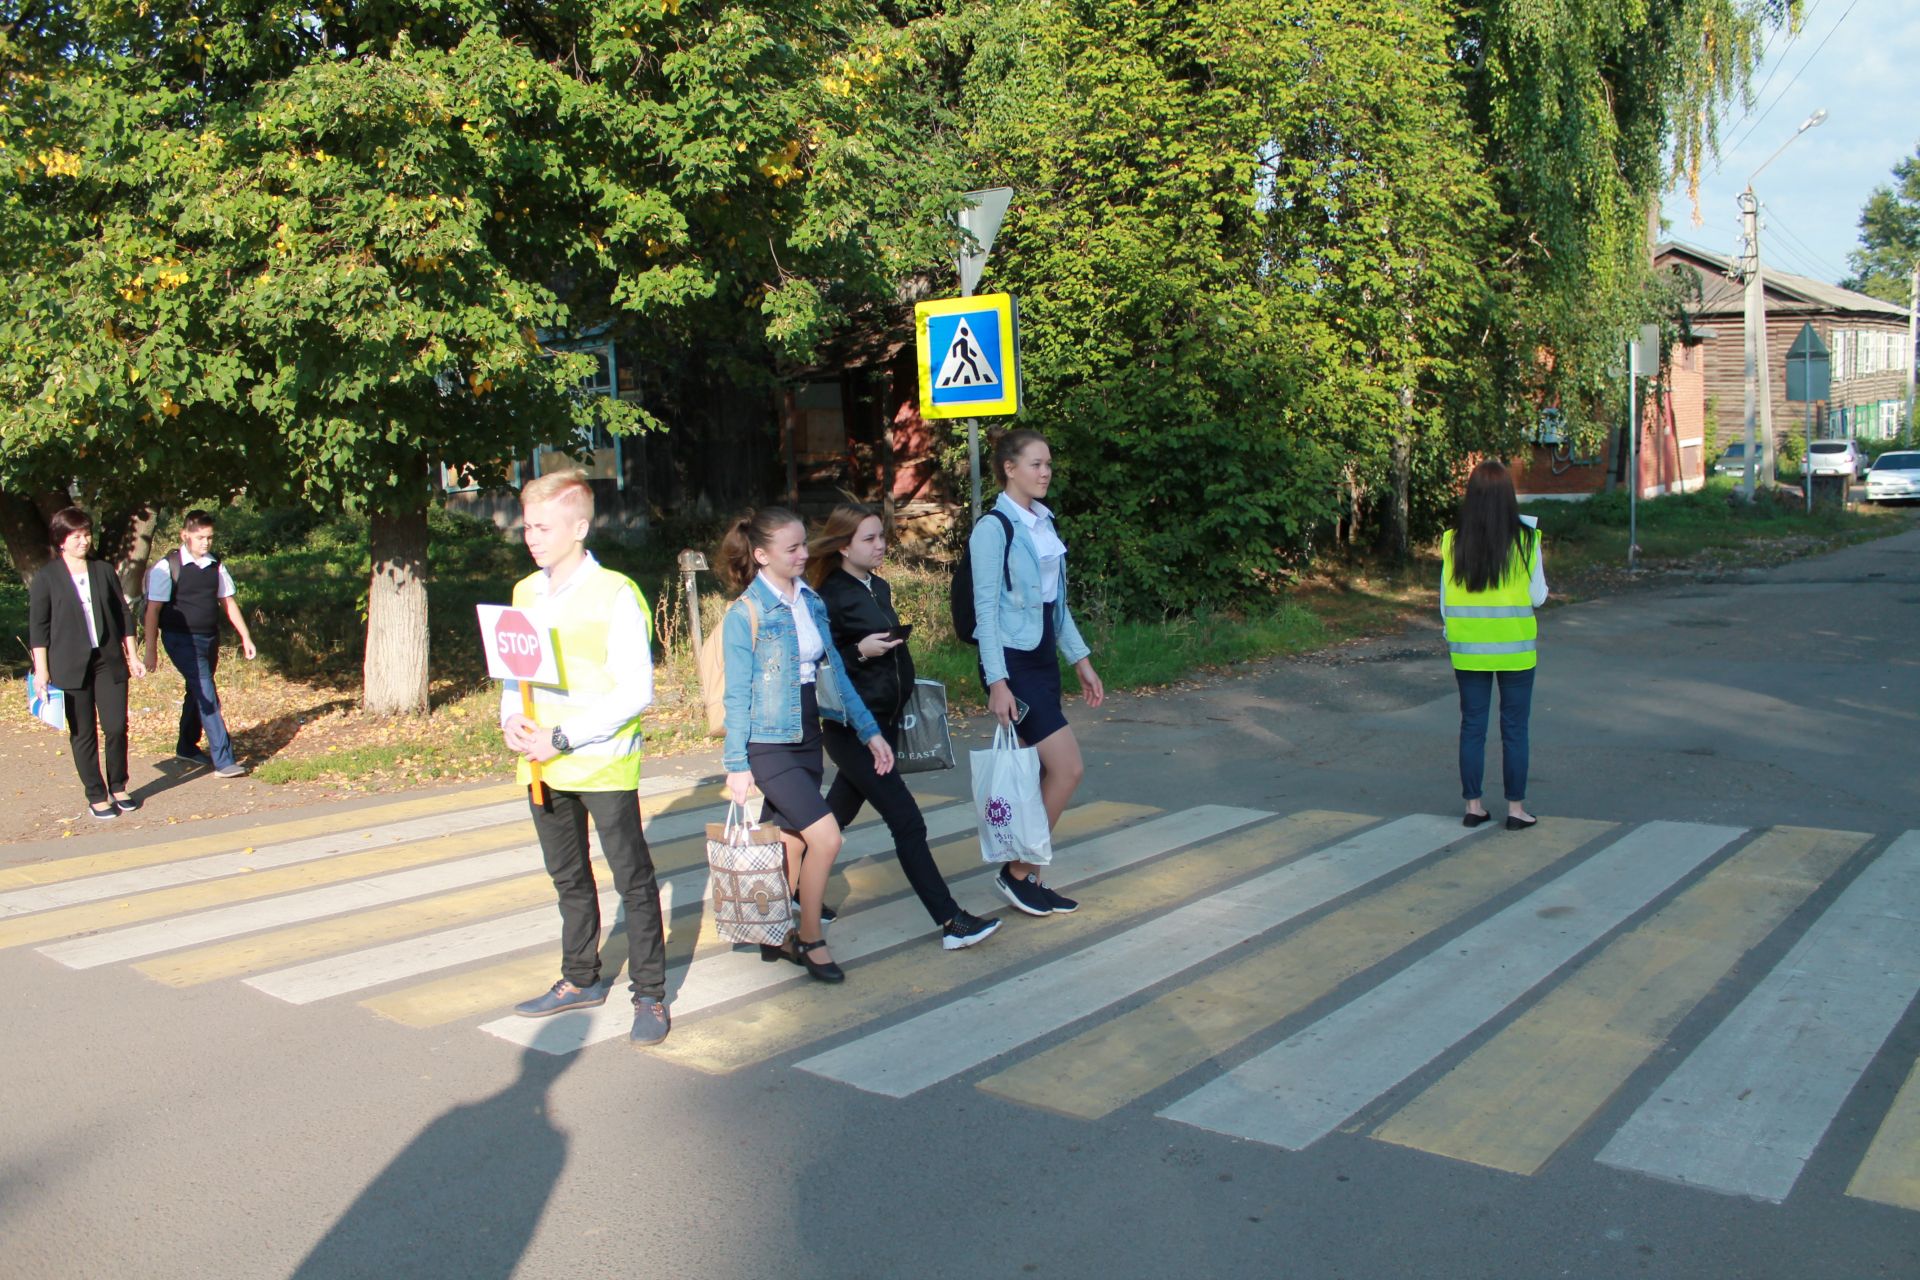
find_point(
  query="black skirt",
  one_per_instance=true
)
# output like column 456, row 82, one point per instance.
column 789, row 774
column 1033, row 676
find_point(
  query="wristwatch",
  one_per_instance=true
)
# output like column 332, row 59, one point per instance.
column 560, row 742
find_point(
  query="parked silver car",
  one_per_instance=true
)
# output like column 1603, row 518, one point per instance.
column 1835, row 458
column 1895, row 477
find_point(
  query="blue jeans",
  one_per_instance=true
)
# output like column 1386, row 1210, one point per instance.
column 1516, row 703
column 195, row 657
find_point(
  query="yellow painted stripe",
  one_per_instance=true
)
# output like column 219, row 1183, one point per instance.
column 800, row 1015
column 309, row 941
column 112, row 913
column 1126, row 1057
column 490, row 989
column 94, row 864
column 1891, row 1172
column 1524, row 1093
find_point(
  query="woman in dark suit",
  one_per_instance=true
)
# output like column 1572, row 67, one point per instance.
column 82, row 644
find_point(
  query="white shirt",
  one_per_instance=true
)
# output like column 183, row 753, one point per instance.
column 83, row 584
column 812, row 647
column 1046, row 544
column 160, row 582
column 629, row 657
column 1536, row 588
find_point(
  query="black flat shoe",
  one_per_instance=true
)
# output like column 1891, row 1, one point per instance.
column 1474, row 819
column 801, row 955
column 1517, row 824
column 129, row 805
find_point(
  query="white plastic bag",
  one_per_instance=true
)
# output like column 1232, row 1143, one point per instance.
column 1006, row 801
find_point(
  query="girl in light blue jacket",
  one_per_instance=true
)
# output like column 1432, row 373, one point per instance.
column 783, row 674
column 1023, row 627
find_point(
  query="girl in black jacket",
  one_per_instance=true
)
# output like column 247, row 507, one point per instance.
column 844, row 555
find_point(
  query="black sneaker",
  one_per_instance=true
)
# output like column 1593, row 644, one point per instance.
column 964, row 930
column 1062, row 905
column 1024, row 893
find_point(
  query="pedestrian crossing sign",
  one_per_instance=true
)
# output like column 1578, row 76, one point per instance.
column 969, row 354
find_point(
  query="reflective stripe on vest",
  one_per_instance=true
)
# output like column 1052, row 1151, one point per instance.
column 1491, row 630
column 579, row 623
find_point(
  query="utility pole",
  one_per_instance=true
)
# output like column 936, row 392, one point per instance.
column 1755, row 333
column 1913, row 339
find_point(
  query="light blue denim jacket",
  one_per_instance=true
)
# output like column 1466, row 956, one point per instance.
column 1012, row 619
column 763, row 676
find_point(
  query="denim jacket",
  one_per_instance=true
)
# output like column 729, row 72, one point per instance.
column 763, row 677
column 1011, row 619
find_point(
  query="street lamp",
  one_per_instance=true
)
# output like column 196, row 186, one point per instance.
column 1759, row 381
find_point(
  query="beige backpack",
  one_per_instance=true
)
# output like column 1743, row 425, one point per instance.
column 713, row 667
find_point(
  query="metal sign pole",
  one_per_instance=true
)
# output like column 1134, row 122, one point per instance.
column 1633, row 453
column 981, row 219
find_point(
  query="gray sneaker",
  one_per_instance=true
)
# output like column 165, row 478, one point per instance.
column 563, row 995
column 231, row 771
column 650, row 1021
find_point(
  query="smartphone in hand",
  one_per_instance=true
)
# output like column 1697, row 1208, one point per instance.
column 1020, row 709
column 901, row 632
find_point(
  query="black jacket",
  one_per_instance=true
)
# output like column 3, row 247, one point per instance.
column 56, row 623
column 855, row 612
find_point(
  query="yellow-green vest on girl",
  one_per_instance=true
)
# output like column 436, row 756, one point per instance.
column 579, row 623
column 1491, row 630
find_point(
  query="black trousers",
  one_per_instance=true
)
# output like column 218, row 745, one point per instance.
column 100, row 700
column 562, row 828
column 857, row 783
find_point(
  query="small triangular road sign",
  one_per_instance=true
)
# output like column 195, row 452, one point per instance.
column 965, row 364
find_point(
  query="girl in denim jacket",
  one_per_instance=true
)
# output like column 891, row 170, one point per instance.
column 1022, row 625
column 782, row 676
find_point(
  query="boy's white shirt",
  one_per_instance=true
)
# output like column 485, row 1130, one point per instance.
column 629, row 653
column 160, row 582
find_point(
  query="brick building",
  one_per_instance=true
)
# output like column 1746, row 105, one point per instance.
column 1672, row 450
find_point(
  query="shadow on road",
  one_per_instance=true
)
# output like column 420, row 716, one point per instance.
column 463, row 1198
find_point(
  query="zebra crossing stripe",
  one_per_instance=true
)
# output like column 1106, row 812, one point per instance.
column 1890, row 1174
column 1128, row 1056
column 715, row 979
column 801, row 1015
column 1301, row 1089
column 377, row 966
column 470, row 993
column 1524, row 1093
column 1744, row 1111
column 943, row 1042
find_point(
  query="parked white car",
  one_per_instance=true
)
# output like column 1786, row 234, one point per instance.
column 1895, row 477
column 1835, row 458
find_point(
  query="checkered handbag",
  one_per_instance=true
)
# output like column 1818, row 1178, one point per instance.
column 748, row 875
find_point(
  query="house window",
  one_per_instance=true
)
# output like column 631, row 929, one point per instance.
column 595, row 451
column 821, row 428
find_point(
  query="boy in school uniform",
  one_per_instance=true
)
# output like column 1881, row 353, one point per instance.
column 586, row 738
column 186, row 594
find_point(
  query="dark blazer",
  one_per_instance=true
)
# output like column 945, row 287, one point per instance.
column 56, row 623
column 856, row 613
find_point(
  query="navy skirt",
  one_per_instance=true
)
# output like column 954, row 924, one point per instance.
column 789, row 774
column 1033, row 676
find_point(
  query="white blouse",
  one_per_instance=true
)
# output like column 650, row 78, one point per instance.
column 1047, row 545
column 812, row 646
column 84, row 585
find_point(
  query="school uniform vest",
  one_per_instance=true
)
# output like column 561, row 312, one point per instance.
column 195, row 606
column 1491, row 630
column 578, row 619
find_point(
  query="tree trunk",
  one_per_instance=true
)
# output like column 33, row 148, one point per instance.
column 126, row 538
column 394, row 678
column 23, row 523
column 1396, row 535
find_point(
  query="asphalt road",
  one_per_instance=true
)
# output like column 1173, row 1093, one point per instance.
column 1724, row 772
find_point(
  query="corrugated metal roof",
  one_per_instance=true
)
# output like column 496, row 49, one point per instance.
column 1786, row 292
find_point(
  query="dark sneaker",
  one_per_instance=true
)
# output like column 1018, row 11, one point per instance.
column 563, row 995
column 1062, row 905
column 650, row 1021
column 231, row 771
column 827, row 914
column 128, row 805
column 1025, row 893
column 964, row 930
column 193, row 757
column 103, row 811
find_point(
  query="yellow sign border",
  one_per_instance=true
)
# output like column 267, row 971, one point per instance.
column 1008, row 310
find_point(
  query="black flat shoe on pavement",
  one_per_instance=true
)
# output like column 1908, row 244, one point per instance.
column 1520, row 824
column 801, row 955
column 103, row 810
column 128, row 805
column 1474, row 819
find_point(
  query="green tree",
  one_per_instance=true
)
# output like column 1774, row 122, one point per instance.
column 1889, row 236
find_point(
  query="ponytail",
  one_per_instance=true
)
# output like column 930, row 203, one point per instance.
column 755, row 529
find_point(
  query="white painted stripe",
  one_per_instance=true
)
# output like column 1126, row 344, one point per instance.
column 941, row 1043
column 411, row 957
column 120, row 884
column 716, row 979
column 1303, row 1088
column 1745, row 1110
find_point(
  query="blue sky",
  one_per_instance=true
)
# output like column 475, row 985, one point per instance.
column 1867, row 76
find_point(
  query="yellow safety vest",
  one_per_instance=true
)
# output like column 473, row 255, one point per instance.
column 579, row 623
column 1491, row 630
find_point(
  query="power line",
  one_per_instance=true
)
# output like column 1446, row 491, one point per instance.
column 1821, row 265
column 1788, row 86
column 1791, row 37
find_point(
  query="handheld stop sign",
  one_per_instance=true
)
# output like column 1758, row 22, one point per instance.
column 518, row 650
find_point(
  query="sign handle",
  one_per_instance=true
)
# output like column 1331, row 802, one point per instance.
column 539, row 789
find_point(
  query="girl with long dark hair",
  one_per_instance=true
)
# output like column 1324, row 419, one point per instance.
column 1492, row 578
column 845, row 556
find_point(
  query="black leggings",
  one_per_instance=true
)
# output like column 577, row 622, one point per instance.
column 857, row 783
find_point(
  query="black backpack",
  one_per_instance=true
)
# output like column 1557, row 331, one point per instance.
column 960, row 593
